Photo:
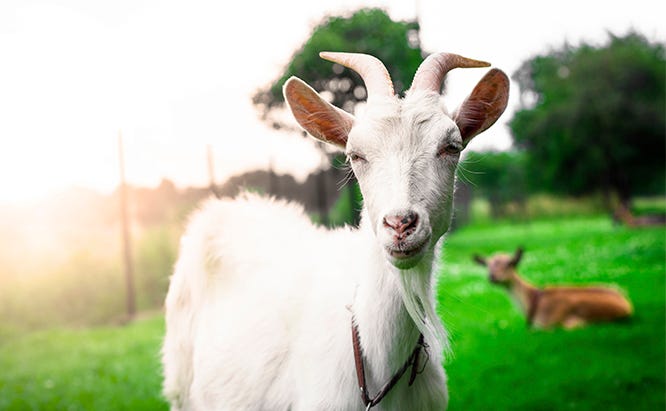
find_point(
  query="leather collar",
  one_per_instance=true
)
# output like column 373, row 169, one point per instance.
column 412, row 360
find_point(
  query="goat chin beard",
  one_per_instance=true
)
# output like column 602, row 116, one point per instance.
column 418, row 300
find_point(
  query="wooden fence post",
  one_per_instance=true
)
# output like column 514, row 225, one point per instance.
column 127, row 246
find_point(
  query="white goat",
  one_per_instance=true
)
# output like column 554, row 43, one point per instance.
column 260, row 308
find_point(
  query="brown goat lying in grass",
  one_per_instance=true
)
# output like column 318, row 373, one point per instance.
column 556, row 305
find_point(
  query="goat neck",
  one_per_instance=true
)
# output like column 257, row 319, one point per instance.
column 388, row 333
column 522, row 291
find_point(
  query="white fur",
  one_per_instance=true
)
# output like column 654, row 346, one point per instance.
column 256, row 333
column 260, row 305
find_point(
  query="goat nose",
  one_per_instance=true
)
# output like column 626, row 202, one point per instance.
column 402, row 224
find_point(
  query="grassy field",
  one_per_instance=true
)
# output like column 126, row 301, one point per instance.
column 109, row 368
column 498, row 364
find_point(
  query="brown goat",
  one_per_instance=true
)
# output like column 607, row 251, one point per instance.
column 553, row 306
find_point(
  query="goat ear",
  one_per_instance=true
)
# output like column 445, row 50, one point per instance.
column 480, row 260
column 318, row 117
column 484, row 106
column 517, row 256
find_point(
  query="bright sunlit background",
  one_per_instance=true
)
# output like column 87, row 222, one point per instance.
column 174, row 77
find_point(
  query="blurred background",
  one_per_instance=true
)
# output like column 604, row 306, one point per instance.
column 117, row 118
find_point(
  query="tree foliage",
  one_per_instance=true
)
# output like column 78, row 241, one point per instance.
column 499, row 176
column 592, row 118
column 369, row 31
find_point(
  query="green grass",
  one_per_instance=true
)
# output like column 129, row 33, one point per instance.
column 500, row 364
column 497, row 363
column 110, row 368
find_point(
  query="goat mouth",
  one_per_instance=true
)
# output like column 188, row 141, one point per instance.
column 400, row 252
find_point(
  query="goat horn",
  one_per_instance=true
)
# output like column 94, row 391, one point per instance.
column 431, row 72
column 373, row 72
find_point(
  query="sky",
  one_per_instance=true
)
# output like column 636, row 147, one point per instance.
column 176, row 77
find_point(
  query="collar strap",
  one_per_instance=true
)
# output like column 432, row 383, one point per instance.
column 412, row 360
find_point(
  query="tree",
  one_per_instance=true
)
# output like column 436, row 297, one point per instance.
column 369, row 31
column 500, row 176
column 592, row 118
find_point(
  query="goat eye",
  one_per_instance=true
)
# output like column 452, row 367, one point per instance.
column 450, row 148
column 355, row 157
